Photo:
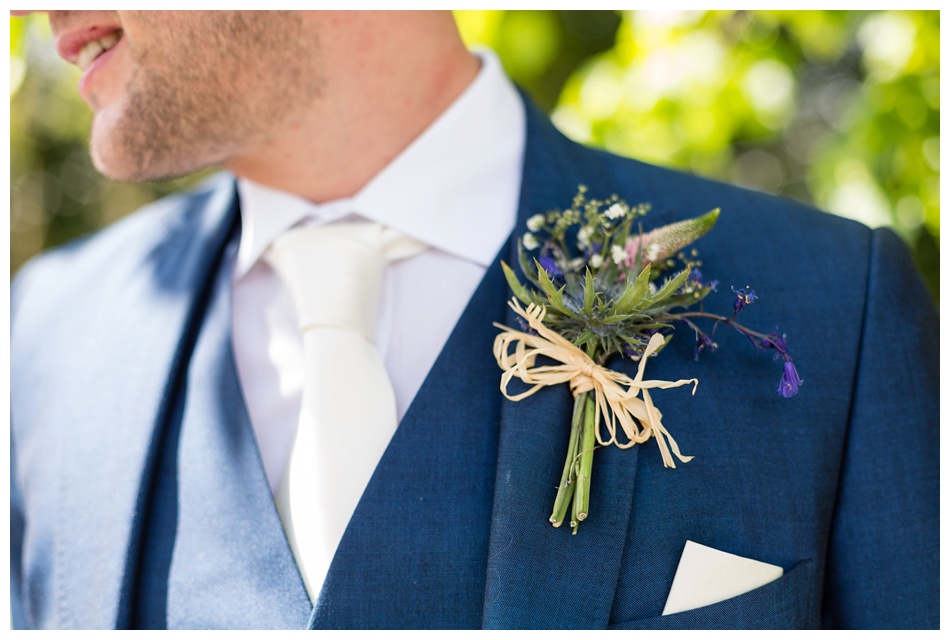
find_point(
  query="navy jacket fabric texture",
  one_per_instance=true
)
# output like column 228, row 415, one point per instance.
column 138, row 498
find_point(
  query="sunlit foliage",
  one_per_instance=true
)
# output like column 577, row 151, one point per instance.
column 835, row 108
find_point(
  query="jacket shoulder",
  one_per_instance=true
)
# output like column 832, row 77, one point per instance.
column 129, row 246
column 672, row 193
column 757, row 211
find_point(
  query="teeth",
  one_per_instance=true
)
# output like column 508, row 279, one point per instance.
column 110, row 40
column 89, row 53
column 94, row 49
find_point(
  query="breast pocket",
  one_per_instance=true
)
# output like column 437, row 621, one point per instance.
column 782, row 604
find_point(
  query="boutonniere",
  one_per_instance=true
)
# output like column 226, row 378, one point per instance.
column 596, row 289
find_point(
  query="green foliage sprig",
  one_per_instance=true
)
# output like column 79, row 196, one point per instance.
column 607, row 296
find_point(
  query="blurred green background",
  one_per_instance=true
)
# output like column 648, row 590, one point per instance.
column 835, row 108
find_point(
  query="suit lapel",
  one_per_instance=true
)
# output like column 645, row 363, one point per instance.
column 539, row 576
column 119, row 410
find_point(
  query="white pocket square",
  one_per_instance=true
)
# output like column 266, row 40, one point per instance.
column 706, row 576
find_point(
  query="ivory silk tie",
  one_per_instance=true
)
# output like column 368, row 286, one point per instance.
column 334, row 274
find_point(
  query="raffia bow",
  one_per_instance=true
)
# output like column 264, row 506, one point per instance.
column 616, row 394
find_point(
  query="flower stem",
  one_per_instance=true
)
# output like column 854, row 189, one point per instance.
column 565, row 489
column 724, row 320
column 582, row 494
column 574, row 521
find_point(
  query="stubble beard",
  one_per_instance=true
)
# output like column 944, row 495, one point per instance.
column 183, row 113
column 162, row 136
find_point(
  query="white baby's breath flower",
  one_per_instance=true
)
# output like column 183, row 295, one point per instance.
column 614, row 211
column 596, row 260
column 618, row 254
column 535, row 222
column 583, row 237
column 576, row 263
column 529, row 241
column 653, row 251
column 652, row 288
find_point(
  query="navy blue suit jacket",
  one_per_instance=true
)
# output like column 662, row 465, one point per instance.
column 138, row 496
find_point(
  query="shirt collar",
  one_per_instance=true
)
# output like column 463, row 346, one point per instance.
column 455, row 187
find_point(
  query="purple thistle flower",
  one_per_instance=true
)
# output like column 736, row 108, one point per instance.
column 788, row 386
column 744, row 297
column 550, row 265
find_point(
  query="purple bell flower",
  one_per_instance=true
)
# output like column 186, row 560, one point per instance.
column 772, row 341
column 696, row 276
column 744, row 297
column 788, row 387
column 779, row 342
column 703, row 343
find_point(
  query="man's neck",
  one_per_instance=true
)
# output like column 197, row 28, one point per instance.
column 371, row 108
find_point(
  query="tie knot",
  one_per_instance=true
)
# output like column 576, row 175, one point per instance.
column 334, row 272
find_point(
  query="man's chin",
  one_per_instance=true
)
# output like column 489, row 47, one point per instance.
column 114, row 170
column 111, row 160
column 115, row 163
column 129, row 152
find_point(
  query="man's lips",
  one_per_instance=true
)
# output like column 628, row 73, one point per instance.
column 95, row 48
column 95, row 69
column 70, row 43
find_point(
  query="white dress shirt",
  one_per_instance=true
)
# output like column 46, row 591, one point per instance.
column 455, row 188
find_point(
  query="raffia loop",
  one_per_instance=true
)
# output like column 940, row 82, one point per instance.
column 617, row 395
